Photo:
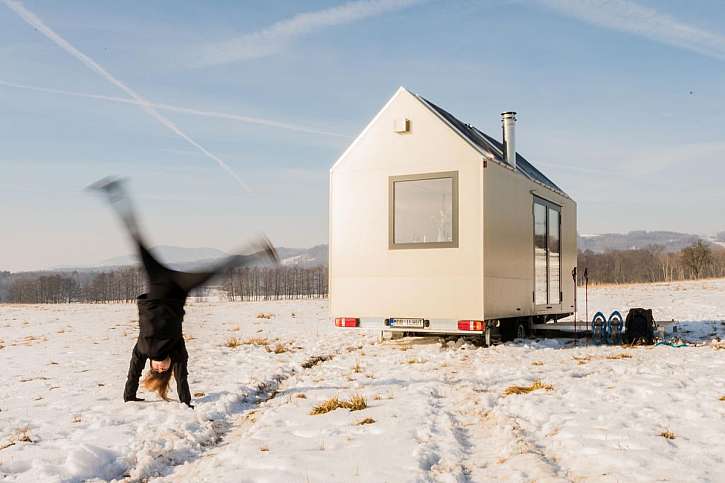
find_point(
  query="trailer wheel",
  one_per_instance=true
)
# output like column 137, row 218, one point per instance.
column 521, row 330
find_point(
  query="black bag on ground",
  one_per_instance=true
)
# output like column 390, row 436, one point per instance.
column 639, row 328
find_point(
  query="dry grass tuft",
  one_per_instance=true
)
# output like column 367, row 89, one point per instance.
column 622, row 355
column 722, row 398
column 76, row 419
column 667, row 434
column 21, row 435
column 355, row 403
column 233, row 342
column 537, row 363
column 259, row 341
column 327, row 406
column 277, row 349
column 199, row 394
column 264, row 449
column 582, row 359
column 300, row 395
column 357, row 368
column 314, row 360
column 415, row 360
column 535, row 386
column 251, row 416
column 365, row 421
column 30, row 340
column 264, row 315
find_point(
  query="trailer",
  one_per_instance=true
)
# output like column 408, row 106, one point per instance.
column 438, row 228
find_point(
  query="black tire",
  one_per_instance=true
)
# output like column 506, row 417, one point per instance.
column 521, row 329
column 513, row 328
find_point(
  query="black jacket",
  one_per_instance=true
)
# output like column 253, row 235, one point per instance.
column 159, row 323
column 160, row 336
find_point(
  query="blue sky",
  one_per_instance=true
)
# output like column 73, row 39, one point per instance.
column 622, row 103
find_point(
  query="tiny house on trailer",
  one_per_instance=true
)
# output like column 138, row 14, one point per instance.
column 436, row 227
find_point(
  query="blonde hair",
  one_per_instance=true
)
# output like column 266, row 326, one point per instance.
column 158, row 382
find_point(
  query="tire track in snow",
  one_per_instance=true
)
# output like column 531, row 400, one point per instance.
column 253, row 406
column 158, row 462
column 444, row 443
column 501, row 446
column 154, row 457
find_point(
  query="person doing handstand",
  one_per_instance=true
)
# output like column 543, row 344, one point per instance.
column 161, row 308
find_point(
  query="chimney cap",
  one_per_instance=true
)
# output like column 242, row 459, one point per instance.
column 506, row 113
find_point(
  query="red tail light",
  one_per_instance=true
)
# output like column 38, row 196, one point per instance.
column 346, row 322
column 474, row 325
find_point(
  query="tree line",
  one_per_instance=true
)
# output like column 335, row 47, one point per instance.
column 123, row 285
column 652, row 264
column 276, row 283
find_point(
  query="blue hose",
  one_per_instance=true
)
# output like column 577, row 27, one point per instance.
column 670, row 344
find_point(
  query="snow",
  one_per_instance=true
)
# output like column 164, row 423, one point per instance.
column 439, row 409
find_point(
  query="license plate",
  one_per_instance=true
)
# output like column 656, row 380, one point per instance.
column 417, row 323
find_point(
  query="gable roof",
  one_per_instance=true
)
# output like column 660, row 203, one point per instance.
column 485, row 143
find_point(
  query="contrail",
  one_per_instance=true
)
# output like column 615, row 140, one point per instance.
column 34, row 21
column 274, row 38
column 185, row 110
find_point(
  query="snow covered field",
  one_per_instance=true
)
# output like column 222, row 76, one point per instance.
column 436, row 412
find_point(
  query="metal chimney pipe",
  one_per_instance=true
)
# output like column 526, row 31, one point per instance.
column 508, row 120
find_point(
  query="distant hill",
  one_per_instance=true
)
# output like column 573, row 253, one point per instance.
column 169, row 254
column 182, row 258
column 670, row 240
column 306, row 257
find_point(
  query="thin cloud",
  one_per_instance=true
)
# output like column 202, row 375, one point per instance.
column 631, row 17
column 173, row 108
column 33, row 20
column 279, row 35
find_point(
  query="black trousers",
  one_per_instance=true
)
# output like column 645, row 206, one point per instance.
column 179, row 362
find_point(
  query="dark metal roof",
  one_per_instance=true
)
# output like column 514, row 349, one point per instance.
column 488, row 144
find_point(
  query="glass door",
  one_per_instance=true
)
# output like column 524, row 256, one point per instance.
column 547, row 252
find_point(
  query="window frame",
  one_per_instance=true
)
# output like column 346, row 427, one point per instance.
column 453, row 176
column 558, row 208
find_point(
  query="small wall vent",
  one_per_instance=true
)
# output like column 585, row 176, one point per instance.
column 401, row 125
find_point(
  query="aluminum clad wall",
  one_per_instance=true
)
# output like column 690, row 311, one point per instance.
column 509, row 244
column 490, row 275
column 366, row 278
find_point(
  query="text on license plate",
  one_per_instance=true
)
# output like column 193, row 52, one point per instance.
column 406, row 323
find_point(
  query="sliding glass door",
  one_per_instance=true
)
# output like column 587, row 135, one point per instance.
column 547, row 252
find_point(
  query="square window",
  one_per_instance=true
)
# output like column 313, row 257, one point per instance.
column 423, row 211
